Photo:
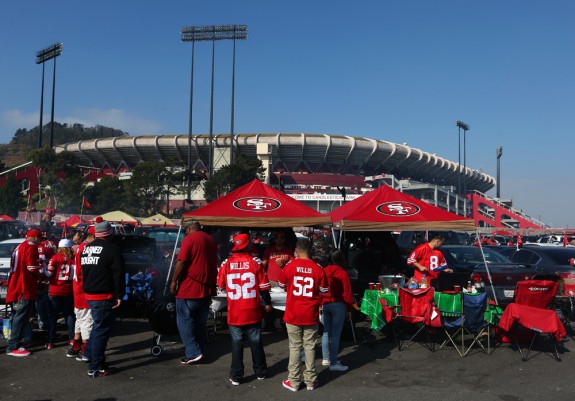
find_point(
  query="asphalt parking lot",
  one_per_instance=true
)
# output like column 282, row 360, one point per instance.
column 377, row 371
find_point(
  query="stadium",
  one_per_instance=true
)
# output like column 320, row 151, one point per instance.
column 317, row 169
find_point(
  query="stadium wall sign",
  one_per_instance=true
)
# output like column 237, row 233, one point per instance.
column 322, row 197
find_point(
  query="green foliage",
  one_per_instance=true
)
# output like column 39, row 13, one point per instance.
column 106, row 195
column 11, row 200
column 63, row 133
column 233, row 176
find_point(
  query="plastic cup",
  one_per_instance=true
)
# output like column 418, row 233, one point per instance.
column 378, row 286
column 371, row 286
column 457, row 289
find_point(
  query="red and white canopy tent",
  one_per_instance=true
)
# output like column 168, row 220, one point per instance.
column 387, row 209
column 257, row 205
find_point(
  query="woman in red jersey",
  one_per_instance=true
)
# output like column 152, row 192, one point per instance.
column 60, row 272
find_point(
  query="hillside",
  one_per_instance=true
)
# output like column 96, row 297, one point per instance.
column 23, row 141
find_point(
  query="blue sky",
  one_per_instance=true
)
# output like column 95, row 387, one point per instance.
column 401, row 71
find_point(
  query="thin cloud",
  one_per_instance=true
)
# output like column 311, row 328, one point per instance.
column 114, row 118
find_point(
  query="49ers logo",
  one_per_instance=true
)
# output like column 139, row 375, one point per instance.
column 257, row 204
column 398, row 209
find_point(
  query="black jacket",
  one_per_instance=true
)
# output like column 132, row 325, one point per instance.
column 103, row 269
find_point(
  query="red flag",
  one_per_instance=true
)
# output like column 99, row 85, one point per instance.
column 519, row 240
column 87, row 204
column 565, row 241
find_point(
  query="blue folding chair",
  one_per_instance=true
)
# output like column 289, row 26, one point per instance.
column 474, row 323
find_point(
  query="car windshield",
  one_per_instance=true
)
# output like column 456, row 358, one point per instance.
column 471, row 256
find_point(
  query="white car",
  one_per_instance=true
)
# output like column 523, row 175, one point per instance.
column 6, row 249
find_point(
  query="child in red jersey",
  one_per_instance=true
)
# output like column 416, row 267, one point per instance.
column 84, row 321
column 60, row 272
column 304, row 281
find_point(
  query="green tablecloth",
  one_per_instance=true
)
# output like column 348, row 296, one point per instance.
column 371, row 307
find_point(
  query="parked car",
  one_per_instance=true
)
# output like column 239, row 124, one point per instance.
column 504, row 272
column 165, row 238
column 6, row 249
column 544, row 259
column 10, row 229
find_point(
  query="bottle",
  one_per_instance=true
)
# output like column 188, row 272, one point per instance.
column 423, row 283
column 469, row 287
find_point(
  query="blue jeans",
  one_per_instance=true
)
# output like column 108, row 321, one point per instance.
column 333, row 320
column 253, row 334
column 20, row 323
column 104, row 318
column 191, row 317
column 64, row 305
column 45, row 310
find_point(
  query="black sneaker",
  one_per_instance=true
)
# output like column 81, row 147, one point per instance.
column 82, row 358
column 73, row 353
column 100, row 373
column 235, row 382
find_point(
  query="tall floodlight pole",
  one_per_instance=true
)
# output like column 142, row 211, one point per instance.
column 499, row 153
column 232, row 112
column 460, row 126
column 211, row 158
column 211, row 33
column 42, row 56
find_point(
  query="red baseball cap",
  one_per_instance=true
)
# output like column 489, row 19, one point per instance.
column 240, row 242
column 33, row 232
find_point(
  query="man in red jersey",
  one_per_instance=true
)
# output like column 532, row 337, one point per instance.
column 22, row 289
column 428, row 259
column 244, row 279
column 194, row 284
column 304, row 281
column 276, row 257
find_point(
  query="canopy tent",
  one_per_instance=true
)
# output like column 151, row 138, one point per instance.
column 257, row 205
column 158, row 220
column 72, row 221
column 119, row 216
column 5, row 217
column 388, row 209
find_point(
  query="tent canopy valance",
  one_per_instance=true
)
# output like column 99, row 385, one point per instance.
column 257, row 205
column 387, row 209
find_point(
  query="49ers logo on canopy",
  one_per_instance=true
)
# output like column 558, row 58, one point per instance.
column 398, row 208
column 257, row 204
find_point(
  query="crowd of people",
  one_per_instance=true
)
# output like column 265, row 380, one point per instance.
column 82, row 280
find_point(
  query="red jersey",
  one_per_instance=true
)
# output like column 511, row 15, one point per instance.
column 61, row 270
column 46, row 250
column 432, row 259
column 272, row 255
column 77, row 281
column 243, row 277
column 304, row 281
column 24, row 273
column 199, row 254
column 339, row 286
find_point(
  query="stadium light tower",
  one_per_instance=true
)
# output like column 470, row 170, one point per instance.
column 499, row 153
column 461, row 126
column 42, row 56
column 212, row 33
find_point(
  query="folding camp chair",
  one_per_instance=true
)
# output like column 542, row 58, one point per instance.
column 529, row 312
column 415, row 309
column 451, row 310
column 474, row 323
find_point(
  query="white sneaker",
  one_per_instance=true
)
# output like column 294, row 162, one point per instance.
column 338, row 367
column 325, row 362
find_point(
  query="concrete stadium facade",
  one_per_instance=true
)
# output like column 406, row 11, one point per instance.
column 331, row 159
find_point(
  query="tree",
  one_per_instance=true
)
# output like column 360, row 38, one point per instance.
column 243, row 170
column 106, row 195
column 145, row 189
column 11, row 200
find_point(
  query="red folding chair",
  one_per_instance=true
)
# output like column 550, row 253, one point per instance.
column 415, row 309
column 529, row 311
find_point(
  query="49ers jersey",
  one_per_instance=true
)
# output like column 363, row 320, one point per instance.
column 243, row 277
column 432, row 259
column 62, row 270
